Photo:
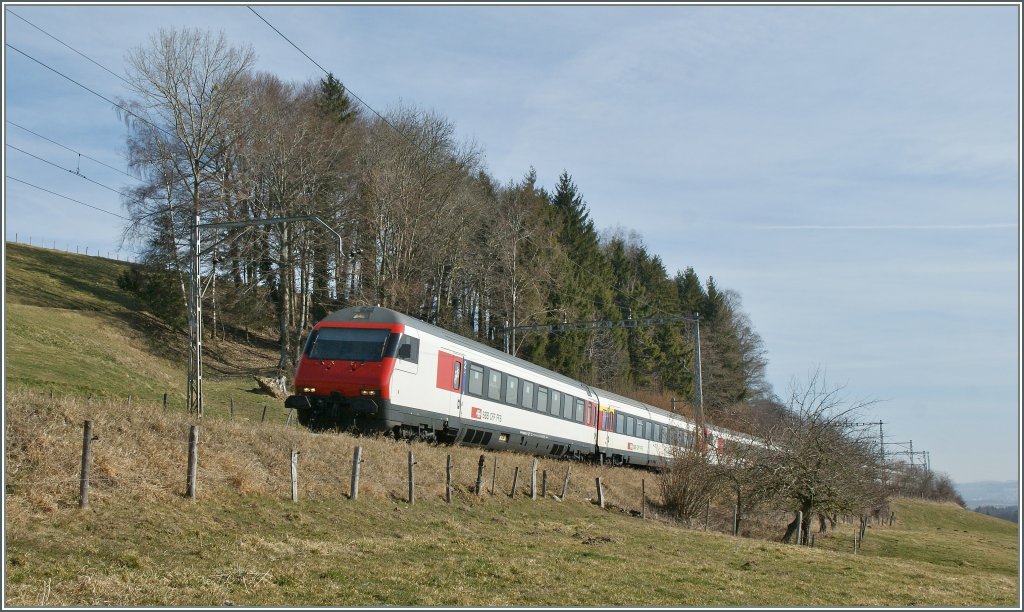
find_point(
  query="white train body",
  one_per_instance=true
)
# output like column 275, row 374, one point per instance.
column 376, row 369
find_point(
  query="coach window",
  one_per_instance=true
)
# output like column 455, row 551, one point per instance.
column 579, row 410
column 556, row 403
column 629, row 426
column 542, row 399
column 409, row 349
column 476, row 380
column 619, row 418
column 457, row 375
column 494, row 385
column 639, row 429
column 511, row 390
column 528, row 395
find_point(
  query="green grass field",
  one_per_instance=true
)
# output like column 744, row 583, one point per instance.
column 244, row 542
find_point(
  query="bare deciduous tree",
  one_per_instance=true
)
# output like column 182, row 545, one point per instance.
column 815, row 460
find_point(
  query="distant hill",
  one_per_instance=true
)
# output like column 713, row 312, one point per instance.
column 1007, row 513
column 989, row 493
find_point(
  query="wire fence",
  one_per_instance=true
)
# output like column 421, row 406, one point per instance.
column 66, row 246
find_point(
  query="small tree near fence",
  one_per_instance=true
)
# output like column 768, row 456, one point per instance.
column 688, row 482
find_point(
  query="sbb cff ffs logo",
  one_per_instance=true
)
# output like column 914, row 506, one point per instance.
column 485, row 415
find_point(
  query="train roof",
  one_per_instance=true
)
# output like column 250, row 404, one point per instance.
column 378, row 314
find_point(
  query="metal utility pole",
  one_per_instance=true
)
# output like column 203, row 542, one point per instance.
column 881, row 438
column 195, row 305
column 699, row 383
column 631, row 323
column 195, row 329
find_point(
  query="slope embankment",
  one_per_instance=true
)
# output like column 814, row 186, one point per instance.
column 76, row 354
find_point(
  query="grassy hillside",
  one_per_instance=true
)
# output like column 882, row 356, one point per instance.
column 69, row 329
column 76, row 352
column 243, row 541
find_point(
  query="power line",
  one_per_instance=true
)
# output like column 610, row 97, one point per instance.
column 67, row 198
column 68, row 46
column 98, row 95
column 70, row 149
column 76, row 173
column 349, row 90
column 291, row 43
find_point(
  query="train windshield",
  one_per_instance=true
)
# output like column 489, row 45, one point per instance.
column 348, row 344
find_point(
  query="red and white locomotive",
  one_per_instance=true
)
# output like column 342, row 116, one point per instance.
column 374, row 369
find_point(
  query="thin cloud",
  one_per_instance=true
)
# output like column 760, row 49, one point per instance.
column 976, row 226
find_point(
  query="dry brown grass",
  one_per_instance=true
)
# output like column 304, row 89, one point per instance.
column 141, row 455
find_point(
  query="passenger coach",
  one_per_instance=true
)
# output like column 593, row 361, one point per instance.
column 374, row 369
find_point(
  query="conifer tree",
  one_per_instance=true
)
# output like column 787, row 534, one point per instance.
column 585, row 294
column 334, row 102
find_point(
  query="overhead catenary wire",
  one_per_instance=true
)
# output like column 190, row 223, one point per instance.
column 349, row 90
column 92, row 91
column 68, row 46
column 21, row 127
column 78, row 174
column 68, row 198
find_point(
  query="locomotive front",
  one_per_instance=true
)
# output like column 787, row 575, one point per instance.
column 344, row 374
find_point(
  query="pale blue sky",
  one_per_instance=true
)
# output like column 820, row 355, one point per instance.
column 851, row 171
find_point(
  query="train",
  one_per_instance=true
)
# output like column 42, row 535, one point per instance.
column 371, row 369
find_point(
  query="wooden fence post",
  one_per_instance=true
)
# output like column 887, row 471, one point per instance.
column 600, row 493
column 533, row 481
column 264, row 417
column 412, row 480
column 231, row 409
column 356, row 460
column 515, row 480
column 129, row 401
column 544, row 484
column 295, row 475
column 193, row 461
column 165, row 401
column 565, row 483
column 289, row 420
column 494, row 475
column 83, row 490
column 480, row 476
column 448, row 480
column 799, row 527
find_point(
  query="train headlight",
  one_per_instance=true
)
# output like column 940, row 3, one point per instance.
column 309, row 389
column 368, row 392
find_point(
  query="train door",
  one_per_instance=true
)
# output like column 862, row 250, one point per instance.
column 451, row 378
column 592, row 418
